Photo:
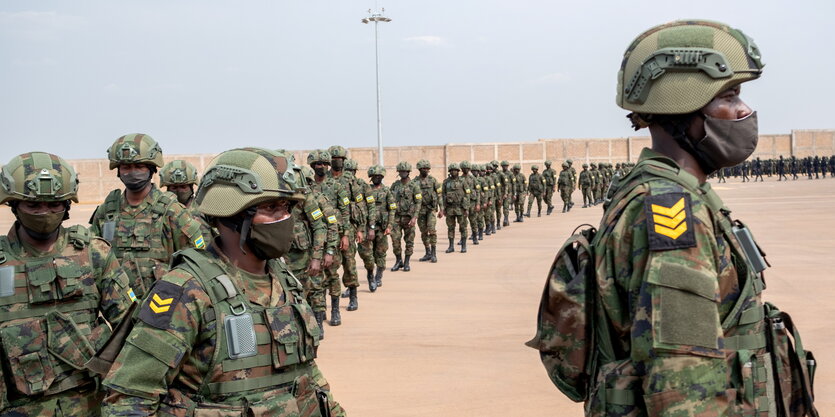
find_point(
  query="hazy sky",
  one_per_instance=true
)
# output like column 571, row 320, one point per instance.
column 203, row 76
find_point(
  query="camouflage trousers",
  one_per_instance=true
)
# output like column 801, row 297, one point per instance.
column 565, row 194
column 426, row 222
column 331, row 283
column 461, row 219
column 588, row 197
column 499, row 204
column 519, row 205
column 490, row 213
column 373, row 252
column 549, row 196
column 472, row 218
column 538, row 198
column 506, row 205
column 406, row 233
column 74, row 402
column 314, row 292
column 349, row 261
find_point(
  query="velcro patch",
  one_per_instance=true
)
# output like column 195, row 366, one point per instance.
column 358, row 198
column 492, row 187
column 158, row 307
column 514, row 180
column 131, row 294
column 670, row 221
column 467, row 191
column 418, row 196
column 316, row 214
column 478, row 187
column 331, row 219
column 370, row 199
column 393, row 206
column 345, row 201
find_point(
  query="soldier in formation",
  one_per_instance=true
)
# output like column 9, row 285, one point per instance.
column 520, row 190
column 408, row 200
column 455, row 207
column 430, row 191
column 474, row 197
column 375, row 249
column 507, row 177
column 550, row 176
column 536, row 186
column 586, row 185
column 565, row 187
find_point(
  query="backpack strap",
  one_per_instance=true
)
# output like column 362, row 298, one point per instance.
column 79, row 236
column 112, row 205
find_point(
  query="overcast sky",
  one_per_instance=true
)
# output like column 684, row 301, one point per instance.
column 204, row 76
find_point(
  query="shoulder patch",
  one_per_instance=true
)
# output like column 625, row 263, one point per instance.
column 199, row 243
column 669, row 221
column 345, row 201
column 331, row 219
column 418, row 196
column 393, row 206
column 358, row 198
column 316, row 214
column 439, row 189
column 370, row 199
column 158, row 306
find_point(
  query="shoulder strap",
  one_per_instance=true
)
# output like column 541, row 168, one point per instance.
column 111, row 203
column 161, row 203
column 79, row 236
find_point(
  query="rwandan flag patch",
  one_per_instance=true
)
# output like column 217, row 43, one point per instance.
column 316, row 214
column 199, row 243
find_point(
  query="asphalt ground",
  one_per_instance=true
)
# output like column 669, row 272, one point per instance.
column 447, row 339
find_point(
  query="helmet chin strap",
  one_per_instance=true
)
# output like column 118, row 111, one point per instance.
column 678, row 130
column 240, row 223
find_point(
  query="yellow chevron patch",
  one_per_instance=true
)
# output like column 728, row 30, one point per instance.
column 669, row 215
column 160, row 305
column 670, row 221
column 669, row 211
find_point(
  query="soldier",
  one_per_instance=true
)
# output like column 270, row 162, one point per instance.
column 550, row 176
column 61, row 291
column 794, row 167
column 408, row 200
column 307, row 250
column 758, row 169
column 180, row 177
column 483, row 198
column 370, row 226
column 824, row 165
column 144, row 225
column 179, row 360
column 565, row 187
column 336, row 195
column 473, row 195
column 359, row 215
column 781, row 169
column 746, row 166
column 488, row 196
column 379, row 195
column 536, row 186
column 586, row 182
column 489, row 187
column 573, row 177
column 509, row 192
column 682, row 314
column 456, row 204
column 520, row 188
column 501, row 194
column 430, row 190
column 721, row 175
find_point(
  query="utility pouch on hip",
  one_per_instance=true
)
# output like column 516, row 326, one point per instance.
column 240, row 336
column 6, row 281
column 108, row 231
column 65, row 341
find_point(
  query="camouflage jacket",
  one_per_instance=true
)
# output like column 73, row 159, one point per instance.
column 145, row 236
column 358, row 210
column 456, row 200
column 470, row 189
column 586, row 179
column 49, row 312
column 565, row 179
column 179, row 357
column 430, row 190
column 520, row 184
column 573, row 176
column 371, row 206
column 331, row 220
column 485, row 194
column 536, row 184
column 339, row 199
column 509, row 186
column 309, row 233
column 498, row 181
column 407, row 198
column 385, row 204
column 550, row 175
column 681, row 303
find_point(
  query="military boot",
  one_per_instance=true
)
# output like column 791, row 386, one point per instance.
column 320, row 319
column 498, row 224
column 550, row 209
column 475, row 239
column 451, row 247
column 434, row 254
column 352, row 299
column 528, row 214
column 336, row 319
column 372, row 283
column 564, row 208
column 406, row 267
column 539, row 213
column 518, row 219
column 487, row 230
column 480, row 234
column 464, row 246
column 506, row 220
column 379, row 277
column 427, row 256
column 398, row 263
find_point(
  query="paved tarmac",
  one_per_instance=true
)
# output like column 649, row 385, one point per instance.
column 447, row 339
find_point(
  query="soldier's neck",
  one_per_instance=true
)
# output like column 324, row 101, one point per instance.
column 229, row 246
column 336, row 174
column 319, row 179
column 665, row 144
column 134, row 198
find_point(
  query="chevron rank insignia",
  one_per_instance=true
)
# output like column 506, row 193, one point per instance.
column 670, row 221
column 158, row 307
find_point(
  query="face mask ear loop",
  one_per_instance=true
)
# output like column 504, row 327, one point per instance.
column 678, row 130
column 245, row 227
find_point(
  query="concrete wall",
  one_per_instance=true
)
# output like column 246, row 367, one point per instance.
column 97, row 180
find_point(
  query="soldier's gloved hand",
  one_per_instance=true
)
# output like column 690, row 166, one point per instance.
column 328, row 261
column 315, row 267
column 359, row 236
column 343, row 243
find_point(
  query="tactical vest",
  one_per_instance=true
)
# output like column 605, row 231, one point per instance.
column 428, row 191
column 744, row 326
column 357, row 209
column 49, row 324
column 404, row 198
column 383, row 206
column 469, row 187
column 454, row 192
column 137, row 241
column 256, row 348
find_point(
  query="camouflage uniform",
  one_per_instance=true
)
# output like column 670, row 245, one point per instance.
column 520, row 187
column 408, row 199
column 486, row 198
column 374, row 251
column 57, row 307
column 181, row 173
column 370, row 222
column 536, row 186
column 501, row 194
column 565, row 187
column 550, row 176
column 146, row 235
column 473, row 195
column 489, row 187
column 309, row 234
column 456, row 203
column 430, row 190
column 510, row 191
column 586, row 184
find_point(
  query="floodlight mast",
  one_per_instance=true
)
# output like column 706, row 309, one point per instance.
column 377, row 17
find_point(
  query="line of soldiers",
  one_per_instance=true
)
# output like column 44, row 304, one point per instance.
column 753, row 170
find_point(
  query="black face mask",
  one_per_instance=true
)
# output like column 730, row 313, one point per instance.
column 183, row 196
column 320, row 170
column 135, row 181
column 726, row 143
column 271, row 240
column 454, row 173
column 404, row 174
column 424, row 173
column 40, row 226
column 337, row 164
column 376, row 180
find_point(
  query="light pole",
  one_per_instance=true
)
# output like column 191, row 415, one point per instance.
column 376, row 17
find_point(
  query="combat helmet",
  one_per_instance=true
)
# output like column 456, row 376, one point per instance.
column 453, row 167
column 585, row 165
column 423, row 163
column 135, row 148
column 495, row 163
column 404, row 166
column 351, row 165
column 241, row 178
column 548, row 163
column 38, row 176
column 505, row 163
column 517, row 166
column 178, row 172
column 318, row 156
column 679, row 67
column 376, row 170
column 337, row 151
column 535, row 167
column 465, row 165
column 307, row 173
column 565, row 165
